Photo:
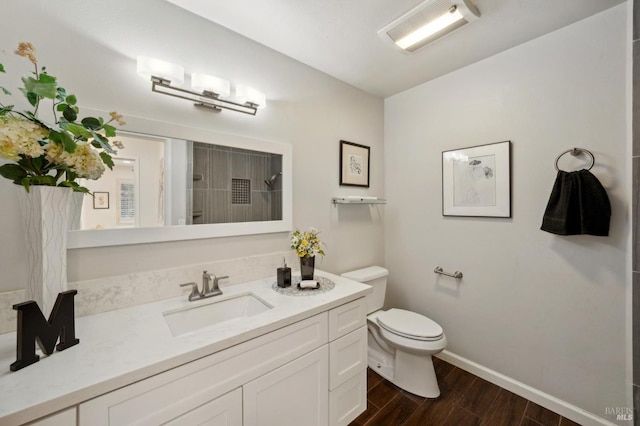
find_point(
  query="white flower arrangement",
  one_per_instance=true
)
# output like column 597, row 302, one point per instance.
column 52, row 154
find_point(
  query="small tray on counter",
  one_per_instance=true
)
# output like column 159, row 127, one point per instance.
column 294, row 290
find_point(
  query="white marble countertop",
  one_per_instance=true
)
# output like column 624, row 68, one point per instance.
column 120, row 347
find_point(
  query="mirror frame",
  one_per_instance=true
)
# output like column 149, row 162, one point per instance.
column 127, row 236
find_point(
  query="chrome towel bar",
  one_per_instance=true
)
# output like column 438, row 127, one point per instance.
column 457, row 274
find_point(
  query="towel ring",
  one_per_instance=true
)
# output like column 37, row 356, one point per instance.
column 577, row 151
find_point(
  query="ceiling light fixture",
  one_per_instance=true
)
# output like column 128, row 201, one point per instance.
column 207, row 90
column 428, row 22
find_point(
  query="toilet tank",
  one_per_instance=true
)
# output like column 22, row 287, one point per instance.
column 376, row 277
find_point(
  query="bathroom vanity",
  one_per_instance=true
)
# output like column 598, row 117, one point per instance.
column 300, row 360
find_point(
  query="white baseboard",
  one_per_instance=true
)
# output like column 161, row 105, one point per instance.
column 545, row 400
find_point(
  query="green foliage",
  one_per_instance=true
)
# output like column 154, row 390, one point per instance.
column 5, row 91
column 12, row 172
column 107, row 160
column 109, row 131
column 91, row 123
column 44, row 86
column 70, row 114
column 53, row 167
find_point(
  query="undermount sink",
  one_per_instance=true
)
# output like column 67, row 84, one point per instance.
column 186, row 320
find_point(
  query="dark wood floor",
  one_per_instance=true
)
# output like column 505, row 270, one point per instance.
column 464, row 400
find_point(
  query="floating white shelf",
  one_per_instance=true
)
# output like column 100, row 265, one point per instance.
column 358, row 200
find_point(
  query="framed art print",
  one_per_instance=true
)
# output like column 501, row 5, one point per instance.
column 354, row 164
column 100, row 200
column 476, row 181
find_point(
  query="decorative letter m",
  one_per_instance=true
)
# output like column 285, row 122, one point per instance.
column 32, row 327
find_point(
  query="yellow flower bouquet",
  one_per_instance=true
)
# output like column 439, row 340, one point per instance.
column 306, row 244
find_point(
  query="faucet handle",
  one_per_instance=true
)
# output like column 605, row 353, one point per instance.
column 195, row 293
column 206, row 280
column 215, row 289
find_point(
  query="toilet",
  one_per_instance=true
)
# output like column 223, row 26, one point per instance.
column 400, row 343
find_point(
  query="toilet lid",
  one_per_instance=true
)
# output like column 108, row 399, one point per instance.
column 410, row 324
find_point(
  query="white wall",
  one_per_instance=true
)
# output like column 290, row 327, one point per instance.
column 546, row 310
column 92, row 48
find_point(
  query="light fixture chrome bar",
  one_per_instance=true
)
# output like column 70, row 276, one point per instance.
column 205, row 99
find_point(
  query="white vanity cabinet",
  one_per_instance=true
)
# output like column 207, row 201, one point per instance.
column 169, row 395
column 311, row 373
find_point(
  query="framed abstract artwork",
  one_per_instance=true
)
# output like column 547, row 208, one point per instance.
column 476, row 181
column 354, row 164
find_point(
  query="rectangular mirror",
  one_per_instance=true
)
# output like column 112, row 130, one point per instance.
column 177, row 183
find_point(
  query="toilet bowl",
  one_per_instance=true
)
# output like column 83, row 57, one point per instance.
column 400, row 342
column 402, row 355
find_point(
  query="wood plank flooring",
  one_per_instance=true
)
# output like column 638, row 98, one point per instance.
column 465, row 400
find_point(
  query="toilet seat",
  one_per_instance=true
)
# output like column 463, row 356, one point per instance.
column 410, row 325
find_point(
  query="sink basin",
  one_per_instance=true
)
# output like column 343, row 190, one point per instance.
column 186, row 320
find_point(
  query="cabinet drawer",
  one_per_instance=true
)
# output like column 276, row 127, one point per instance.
column 348, row 356
column 62, row 418
column 349, row 400
column 346, row 318
column 168, row 395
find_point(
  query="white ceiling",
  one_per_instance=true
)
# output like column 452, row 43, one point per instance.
column 339, row 37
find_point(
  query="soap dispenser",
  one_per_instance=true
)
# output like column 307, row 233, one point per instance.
column 284, row 275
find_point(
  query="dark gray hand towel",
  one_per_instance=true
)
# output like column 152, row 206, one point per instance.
column 578, row 205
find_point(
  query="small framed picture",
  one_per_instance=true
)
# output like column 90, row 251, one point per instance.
column 476, row 181
column 100, row 200
column 354, row 164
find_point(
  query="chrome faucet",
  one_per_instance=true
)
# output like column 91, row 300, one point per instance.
column 210, row 287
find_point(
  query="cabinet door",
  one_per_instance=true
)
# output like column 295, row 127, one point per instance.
column 223, row 411
column 293, row 395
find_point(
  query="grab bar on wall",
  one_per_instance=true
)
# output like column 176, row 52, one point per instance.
column 457, row 274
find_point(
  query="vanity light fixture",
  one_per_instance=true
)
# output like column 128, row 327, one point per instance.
column 206, row 90
column 428, row 22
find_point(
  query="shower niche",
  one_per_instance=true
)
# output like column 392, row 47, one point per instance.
column 228, row 185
